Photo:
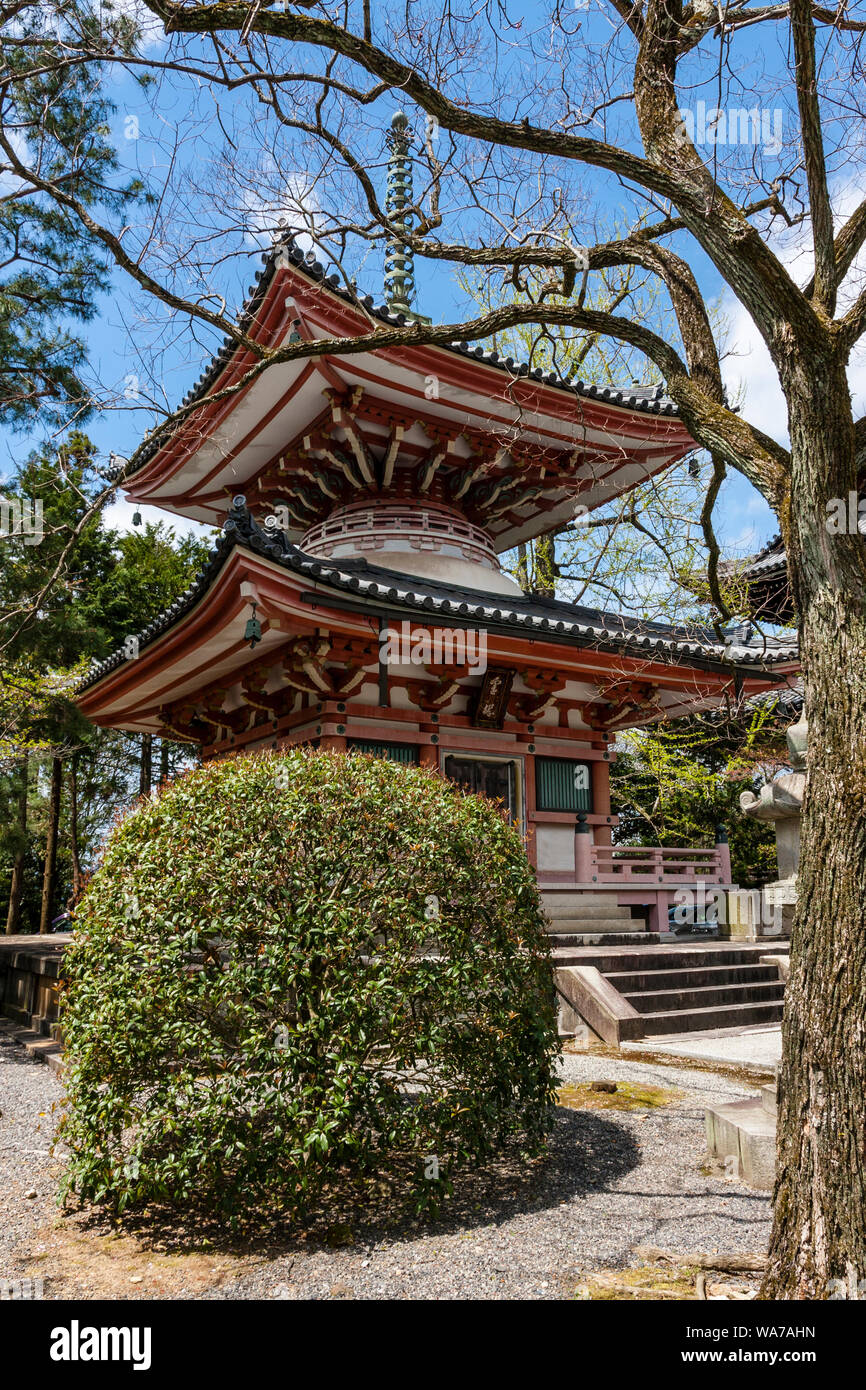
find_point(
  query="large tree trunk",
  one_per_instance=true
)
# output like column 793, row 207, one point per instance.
column 818, row 1244
column 16, row 887
column 50, row 873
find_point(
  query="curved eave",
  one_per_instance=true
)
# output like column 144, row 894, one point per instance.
column 227, row 443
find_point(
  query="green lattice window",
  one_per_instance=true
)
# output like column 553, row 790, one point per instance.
column 563, row 785
column 397, row 752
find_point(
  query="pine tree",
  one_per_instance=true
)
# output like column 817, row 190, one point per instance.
column 57, row 112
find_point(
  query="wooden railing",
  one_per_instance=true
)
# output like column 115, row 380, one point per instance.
column 649, row 865
column 655, row 864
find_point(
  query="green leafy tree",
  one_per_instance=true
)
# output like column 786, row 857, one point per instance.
column 150, row 568
column 673, row 784
column 105, row 586
column 53, row 626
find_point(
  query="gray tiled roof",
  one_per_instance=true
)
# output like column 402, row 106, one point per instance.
column 552, row 619
column 766, row 562
column 765, row 576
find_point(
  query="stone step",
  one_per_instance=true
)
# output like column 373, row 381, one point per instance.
column 571, row 949
column 691, row 977
column 594, row 924
column 768, row 1098
column 45, row 1049
column 719, row 1016
column 742, row 1135
column 667, row 957
column 583, row 905
column 704, row 997
column 18, row 1015
column 37, row 1044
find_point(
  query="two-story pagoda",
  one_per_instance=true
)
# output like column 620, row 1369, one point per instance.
column 355, row 599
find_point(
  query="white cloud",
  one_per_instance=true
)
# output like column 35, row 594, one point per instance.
column 295, row 209
column 749, row 373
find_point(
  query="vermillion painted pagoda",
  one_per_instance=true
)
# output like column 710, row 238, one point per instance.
column 355, row 599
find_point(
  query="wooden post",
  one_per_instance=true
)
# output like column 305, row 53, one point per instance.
column 600, row 769
column 658, row 920
column 600, row 772
column 333, row 743
column 529, row 799
column 51, row 844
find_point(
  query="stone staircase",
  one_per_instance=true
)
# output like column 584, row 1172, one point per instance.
column 30, row 968
column 625, row 993
column 592, row 919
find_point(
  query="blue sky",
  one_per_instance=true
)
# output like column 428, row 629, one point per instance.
column 744, row 520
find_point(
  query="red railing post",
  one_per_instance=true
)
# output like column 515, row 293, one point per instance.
column 582, row 850
column 723, row 851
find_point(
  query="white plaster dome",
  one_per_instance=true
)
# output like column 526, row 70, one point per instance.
column 412, row 537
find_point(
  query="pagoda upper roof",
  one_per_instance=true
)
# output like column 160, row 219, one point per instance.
column 516, row 445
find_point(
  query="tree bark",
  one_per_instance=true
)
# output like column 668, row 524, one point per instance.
column 50, row 873
column 163, row 760
column 545, row 565
column 145, row 774
column 819, row 1235
column 16, row 887
column 522, row 567
column 73, row 825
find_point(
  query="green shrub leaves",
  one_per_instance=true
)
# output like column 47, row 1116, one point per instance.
column 297, row 973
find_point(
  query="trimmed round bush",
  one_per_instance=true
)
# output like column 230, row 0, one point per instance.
column 301, row 974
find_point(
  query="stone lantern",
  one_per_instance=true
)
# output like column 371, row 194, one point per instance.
column 781, row 801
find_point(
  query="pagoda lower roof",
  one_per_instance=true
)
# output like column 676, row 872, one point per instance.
column 598, row 441
column 355, row 586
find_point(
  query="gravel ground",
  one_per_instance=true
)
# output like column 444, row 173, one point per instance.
column 612, row 1180
column 27, row 1092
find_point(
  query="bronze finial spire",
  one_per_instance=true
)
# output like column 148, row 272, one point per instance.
column 399, row 263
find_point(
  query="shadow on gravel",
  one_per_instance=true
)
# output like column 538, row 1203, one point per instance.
column 14, row 1054
column 587, row 1152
